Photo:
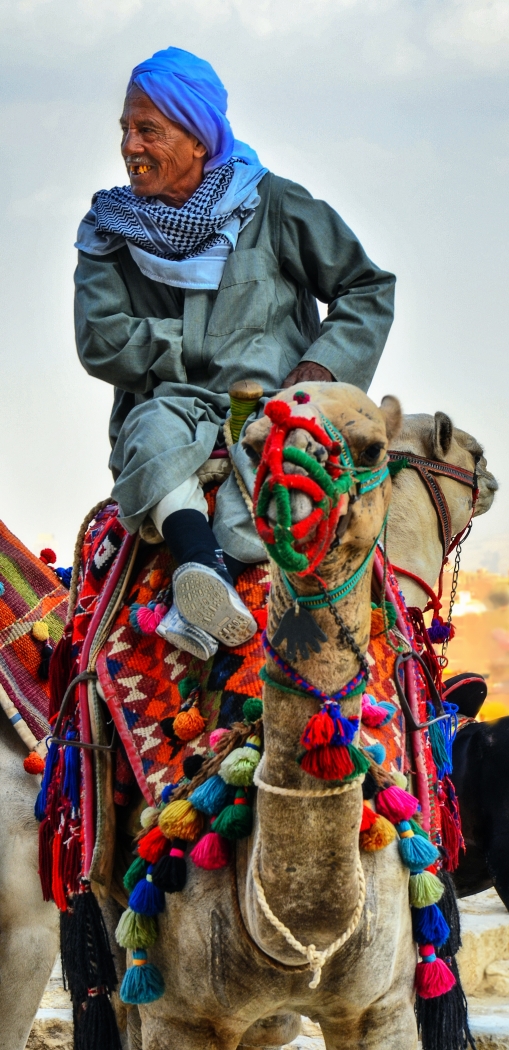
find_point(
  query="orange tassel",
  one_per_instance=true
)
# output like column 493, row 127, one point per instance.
column 189, row 724
column 377, row 836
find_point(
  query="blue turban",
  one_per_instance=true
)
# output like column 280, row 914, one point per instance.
column 187, row 90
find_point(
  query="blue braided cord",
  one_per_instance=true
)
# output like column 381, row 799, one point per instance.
column 355, row 685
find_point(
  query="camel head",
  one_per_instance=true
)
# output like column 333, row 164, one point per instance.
column 365, row 433
column 414, row 539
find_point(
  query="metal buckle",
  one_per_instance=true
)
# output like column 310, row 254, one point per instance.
column 435, row 697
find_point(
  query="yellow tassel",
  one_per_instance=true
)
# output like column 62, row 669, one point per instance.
column 378, row 836
column 40, row 631
column 180, row 820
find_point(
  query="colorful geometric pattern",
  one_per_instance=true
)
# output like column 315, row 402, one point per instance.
column 31, row 591
column 381, row 659
column 140, row 676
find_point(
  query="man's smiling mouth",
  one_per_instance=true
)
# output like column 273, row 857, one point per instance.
column 139, row 169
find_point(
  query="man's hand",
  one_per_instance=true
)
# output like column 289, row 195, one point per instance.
column 308, row 372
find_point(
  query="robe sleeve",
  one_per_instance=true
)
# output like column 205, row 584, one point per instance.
column 319, row 251
column 132, row 353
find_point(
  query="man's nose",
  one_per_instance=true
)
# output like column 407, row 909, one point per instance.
column 131, row 142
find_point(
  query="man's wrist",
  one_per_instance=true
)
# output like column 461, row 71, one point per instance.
column 308, row 372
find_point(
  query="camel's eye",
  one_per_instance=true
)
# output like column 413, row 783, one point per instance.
column 372, row 453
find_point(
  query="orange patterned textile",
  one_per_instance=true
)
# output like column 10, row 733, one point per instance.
column 381, row 660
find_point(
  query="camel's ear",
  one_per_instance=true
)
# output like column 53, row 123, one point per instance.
column 255, row 437
column 391, row 411
column 442, row 435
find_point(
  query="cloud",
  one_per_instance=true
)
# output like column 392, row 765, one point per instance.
column 475, row 32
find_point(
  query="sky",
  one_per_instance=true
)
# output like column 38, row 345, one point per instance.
column 394, row 111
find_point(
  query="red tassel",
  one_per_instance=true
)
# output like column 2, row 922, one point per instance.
column 45, row 858
column 61, row 670
column 261, row 617
column 33, row 763
column 432, row 978
column 153, row 845
column 211, row 852
column 396, row 804
column 57, row 886
column 319, row 730
column 368, row 818
column 72, row 859
column 327, row 763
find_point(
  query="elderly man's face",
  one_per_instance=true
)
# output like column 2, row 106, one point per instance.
column 162, row 159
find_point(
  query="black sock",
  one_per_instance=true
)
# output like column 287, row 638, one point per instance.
column 189, row 537
column 234, row 566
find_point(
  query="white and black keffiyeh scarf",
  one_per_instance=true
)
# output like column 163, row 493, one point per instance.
column 169, row 233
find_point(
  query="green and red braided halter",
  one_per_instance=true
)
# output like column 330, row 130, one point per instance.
column 327, row 486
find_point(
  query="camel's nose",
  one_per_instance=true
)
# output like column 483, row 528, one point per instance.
column 301, row 506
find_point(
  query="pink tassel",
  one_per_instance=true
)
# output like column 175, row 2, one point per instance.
column 211, row 852
column 372, row 715
column 215, row 736
column 148, row 619
column 396, row 804
column 432, row 976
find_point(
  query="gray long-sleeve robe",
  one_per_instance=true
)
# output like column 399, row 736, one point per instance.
column 172, row 355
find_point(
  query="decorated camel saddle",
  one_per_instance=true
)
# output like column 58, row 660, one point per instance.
column 140, row 729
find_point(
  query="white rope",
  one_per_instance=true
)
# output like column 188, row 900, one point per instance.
column 295, row 793
column 316, row 959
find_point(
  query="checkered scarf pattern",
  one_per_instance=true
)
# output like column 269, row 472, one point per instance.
column 187, row 231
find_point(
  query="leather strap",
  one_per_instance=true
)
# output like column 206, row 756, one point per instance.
column 435, row 466
column 427, row 468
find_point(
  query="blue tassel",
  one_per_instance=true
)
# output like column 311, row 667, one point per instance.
column 429, row 926
column 71, row 787
column 143, row 983
column 212, row 796
column 146, row 899
column 42, row 798
column 377, row 752
column 64, row 576
column 167, row 792
column 416, row 852
column 441, row 736
column 391, row 711
column 345, row 728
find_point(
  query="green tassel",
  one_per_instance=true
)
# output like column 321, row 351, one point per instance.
column 361, row 763
column 136, row 931
column 416, row 828
column 396, row 465
column 424, row 889
column 133, row 874
column 235, row 822
column 252, row 709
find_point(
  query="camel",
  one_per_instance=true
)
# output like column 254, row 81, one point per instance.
column 228, row 927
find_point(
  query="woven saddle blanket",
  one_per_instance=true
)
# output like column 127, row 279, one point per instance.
column 30, row 592
column 145, row 681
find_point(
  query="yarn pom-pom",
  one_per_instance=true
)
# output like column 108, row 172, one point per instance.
column 376, row 752
column 439, row 631
column 378, row 836
column 192, row 765
column 40, row 631
column 64, row 575
column 396, row 805
column 424, row 889
column 180, row 820
column 211, row 852
column 372, row 715
column 235, row 822
column 146, row 898
column 301, row 397
column 147, row 618
column 33, row 763
column 252, row 709
column 216, row 736
column 167, row 792
column 170, row 873
column 429, row 925
column 148, row 817
column 142, row 983
column 368, row 818
column 261, row 616
column 277, row 411
column 212, row 796
column 328, row 763
column 432, row 976
column 48, row 556
column 134, row 873
column 416, row 852
column 401, row 780
column 238, row 767
column 189, row 724
column 153, row 845
column 136, row 931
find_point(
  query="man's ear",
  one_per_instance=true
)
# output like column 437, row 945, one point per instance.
column 255, row 438
column 391, row 411
column 442, row 435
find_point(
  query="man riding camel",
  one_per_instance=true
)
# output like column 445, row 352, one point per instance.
column 205, row 271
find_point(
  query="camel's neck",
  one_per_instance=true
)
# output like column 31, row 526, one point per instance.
column 413, row 537
column 309, row 847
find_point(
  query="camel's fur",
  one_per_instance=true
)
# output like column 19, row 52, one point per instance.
column 213, row 967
